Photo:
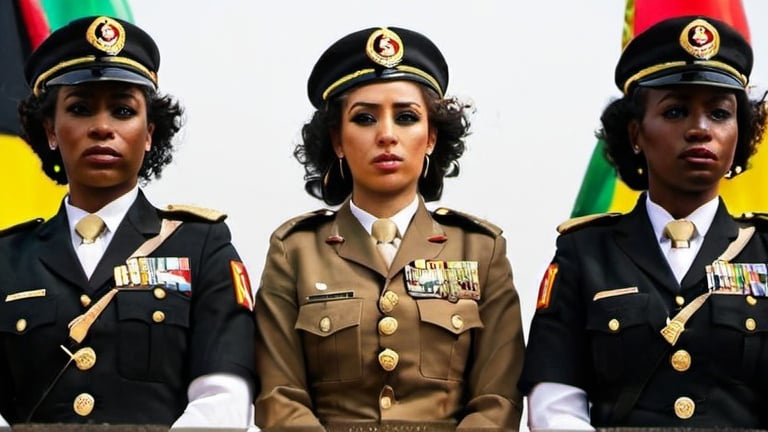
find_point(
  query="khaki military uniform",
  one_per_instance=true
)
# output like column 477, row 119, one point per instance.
column 342, row 345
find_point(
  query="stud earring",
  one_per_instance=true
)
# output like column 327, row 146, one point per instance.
column 733, row 172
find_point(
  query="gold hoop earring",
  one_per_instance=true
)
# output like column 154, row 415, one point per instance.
column 341, row 167
column 426, row 166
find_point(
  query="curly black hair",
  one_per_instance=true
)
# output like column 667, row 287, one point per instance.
column 163, row 111
column 632, row 168
column 449, row 117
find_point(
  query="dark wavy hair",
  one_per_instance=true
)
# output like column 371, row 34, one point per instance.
column 632, row 168
column 449, row 117
column 163, row 110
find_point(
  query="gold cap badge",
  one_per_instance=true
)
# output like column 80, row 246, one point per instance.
column 700, row 39
column 107, row 35
column 384, row 47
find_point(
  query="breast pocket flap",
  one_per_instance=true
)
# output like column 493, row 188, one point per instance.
column 326, row 318
column 27, row 314
column 455, row 317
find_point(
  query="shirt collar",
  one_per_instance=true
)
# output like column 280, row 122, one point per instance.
column 702, row 217
column 402, row 218
column 112, row 213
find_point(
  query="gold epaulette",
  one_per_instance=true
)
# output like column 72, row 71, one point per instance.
column 753, row 217
column 583, row 221
column 466, row 220
column 211, row 215
column 21, row 227
column 304, row 221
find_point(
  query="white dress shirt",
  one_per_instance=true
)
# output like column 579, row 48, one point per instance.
column 402, row 218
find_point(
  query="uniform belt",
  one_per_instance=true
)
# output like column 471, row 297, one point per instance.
column 391, row 427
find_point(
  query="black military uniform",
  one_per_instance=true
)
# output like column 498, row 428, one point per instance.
column 146, row 342
column 604, row 343
column 612, row 319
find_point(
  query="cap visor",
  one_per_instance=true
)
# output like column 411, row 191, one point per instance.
column 700, row 77
column 81, row 76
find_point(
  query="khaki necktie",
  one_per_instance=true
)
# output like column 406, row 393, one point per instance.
column 680, row 232
column 89, row 253
column 89, row 228
column 680, row 256
column 384, row 231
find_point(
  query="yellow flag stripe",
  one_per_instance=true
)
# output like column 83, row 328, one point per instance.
column 25, row 191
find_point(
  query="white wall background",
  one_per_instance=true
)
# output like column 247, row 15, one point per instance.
column 539, row 72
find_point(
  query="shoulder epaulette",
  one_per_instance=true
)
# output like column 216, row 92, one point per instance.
column 754, row 218
column 585, row 221
column 465, row 220
column 21, row 227
column 184, row 211
column 304, row 221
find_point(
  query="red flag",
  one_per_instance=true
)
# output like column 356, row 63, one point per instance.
column 642, row 14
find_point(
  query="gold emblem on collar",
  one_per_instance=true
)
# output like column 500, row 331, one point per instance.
column 107, row 35
column 384, row 47
column 700, row 39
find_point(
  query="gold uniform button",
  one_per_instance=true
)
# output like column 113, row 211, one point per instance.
column 680, row 360
column 387, row 326
column 83, row 404
column 158, row 316
column 751, row 300
column 325, row 324
column 679, row 300
column 85, row 358
column 385, row 402
column 388, row 359
column 614, row 325
column 457, row 322
column 388, row 301
column 85, row 300
column 750, row 324
column 386, row 397
column 21, row 325
column 684, row 407
column 159, row 293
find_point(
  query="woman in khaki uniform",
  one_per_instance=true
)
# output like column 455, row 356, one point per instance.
column 432, row 341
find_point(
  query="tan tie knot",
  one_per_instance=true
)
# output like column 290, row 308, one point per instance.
column 89, row 228
column 680, row 232
column 384, row 230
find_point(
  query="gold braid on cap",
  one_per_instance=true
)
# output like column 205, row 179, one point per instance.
column 407, row 69
column 663, row 66
column 37, row 87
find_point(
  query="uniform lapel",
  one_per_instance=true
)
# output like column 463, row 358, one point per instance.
column 416, row 243
column 56, row 251
column 635, row 236
column 139, row 224
column 721, row 233
column 358, row 245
